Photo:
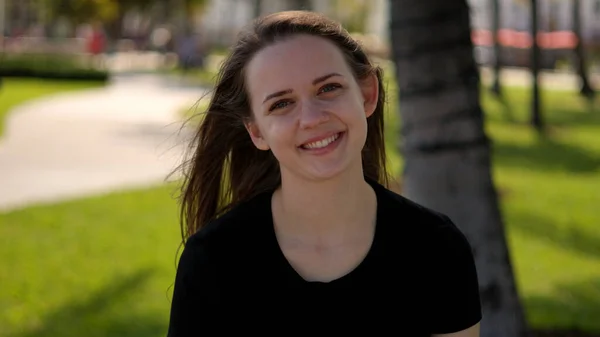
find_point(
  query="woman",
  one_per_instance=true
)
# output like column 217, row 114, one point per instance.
column 286, row 217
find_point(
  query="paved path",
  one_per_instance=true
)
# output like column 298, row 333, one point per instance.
column 554, row 80
column 125, row 135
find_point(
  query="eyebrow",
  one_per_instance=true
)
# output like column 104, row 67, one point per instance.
column 314, row 82
column 324, row 78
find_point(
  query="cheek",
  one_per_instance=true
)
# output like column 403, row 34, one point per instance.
column 351, row 111
column 280, row 131
column 351, row 104
column 282, row 141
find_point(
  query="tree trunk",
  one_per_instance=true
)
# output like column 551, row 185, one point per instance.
column 114, row 29
column 536, row 114
column 300, row 4
column 446, row 151
column 496, row 88
column 586, row 88
column 258, row 8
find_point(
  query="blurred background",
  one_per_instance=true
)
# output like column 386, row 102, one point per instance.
column 98, row 99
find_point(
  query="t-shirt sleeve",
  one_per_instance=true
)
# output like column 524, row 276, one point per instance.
column 455, row 301
column 195, row 294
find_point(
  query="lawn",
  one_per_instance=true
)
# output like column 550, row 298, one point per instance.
column 15, row 91
column 551, row 196
column 96, row 267
column 104, row 266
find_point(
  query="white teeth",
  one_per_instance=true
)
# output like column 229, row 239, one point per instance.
column 321, row 143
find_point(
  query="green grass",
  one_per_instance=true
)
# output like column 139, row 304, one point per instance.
column 104, row 266
column 96, row 267
column 15, row 91
column 551, row 192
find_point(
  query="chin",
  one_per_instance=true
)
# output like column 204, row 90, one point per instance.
column 324, row 176
column 327, row 172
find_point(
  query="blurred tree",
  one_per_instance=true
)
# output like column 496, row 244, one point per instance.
column 108, row 10
column 300, row 4
column 257, row 8
column 586, row 88
column 536, row 113
column 81, row 11
column 496, row 88
column 193, row 6
column 111, row 12
column 352, row 14
column 445, row 148
column 534, row 65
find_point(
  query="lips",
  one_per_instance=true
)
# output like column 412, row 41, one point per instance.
column 321, row 142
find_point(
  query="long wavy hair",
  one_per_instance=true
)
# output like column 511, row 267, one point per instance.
column 225, row 168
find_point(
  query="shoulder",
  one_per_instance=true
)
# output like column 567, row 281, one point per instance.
column 445, row 271
column 421, row 225
column 407, row 214
column 234, row 229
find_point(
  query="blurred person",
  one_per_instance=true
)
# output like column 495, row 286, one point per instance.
column 96, row 39
column 287, row 219
column 188, row 52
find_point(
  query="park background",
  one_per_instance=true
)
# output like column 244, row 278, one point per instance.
column 98, row 99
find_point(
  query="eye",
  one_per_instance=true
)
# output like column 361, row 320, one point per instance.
column 279, row 105
column 329, row 87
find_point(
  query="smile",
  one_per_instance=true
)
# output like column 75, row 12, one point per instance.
column 321, row 143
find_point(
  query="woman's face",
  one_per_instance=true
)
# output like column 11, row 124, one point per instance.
column 308, row 108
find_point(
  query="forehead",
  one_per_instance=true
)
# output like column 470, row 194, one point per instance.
column 294, row 61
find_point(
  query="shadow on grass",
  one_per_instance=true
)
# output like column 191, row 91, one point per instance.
column 504, row 108
column 558, row 108
column 574, row 118
column 546, row 155
column 575, row 239
column 573, row 311
column 103, row 314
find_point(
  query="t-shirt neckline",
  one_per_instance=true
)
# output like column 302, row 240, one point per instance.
column 291, row 272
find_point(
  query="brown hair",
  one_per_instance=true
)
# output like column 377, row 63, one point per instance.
column 226, row 168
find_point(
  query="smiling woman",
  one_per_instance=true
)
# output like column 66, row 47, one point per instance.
column 306, row 125
column 285, row 201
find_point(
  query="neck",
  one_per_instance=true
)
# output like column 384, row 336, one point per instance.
column 329, row 210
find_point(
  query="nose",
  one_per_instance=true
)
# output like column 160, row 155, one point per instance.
column 312, row 114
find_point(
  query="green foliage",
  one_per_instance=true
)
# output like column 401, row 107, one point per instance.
column 104, row 10
column 83, row 10
column 49, row 66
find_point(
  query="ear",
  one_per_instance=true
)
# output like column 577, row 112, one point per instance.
column 370, row 92
column 256, row 136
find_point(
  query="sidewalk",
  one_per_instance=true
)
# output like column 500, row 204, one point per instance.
column 555, row 80
column 125, row 135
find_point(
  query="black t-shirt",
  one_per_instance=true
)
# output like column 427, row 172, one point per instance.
column 417, row 279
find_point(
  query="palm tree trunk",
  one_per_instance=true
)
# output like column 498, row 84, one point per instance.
column 586, row 88
column 446, row 151
column 496, row 88
column 536, row 114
